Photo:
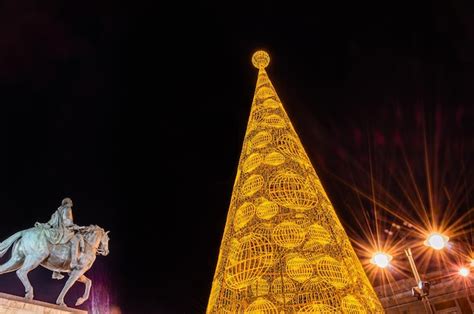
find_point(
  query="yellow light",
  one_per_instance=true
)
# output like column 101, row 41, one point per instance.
column 278, row 249
column 463, row 271
column 472, row 262
column 260, row 59
column 381, row 259
column 437, row 241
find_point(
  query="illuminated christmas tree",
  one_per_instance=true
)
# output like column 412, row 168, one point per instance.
column 284, row 249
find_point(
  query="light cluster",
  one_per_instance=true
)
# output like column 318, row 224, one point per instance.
column 434, row 240
column 283, row 248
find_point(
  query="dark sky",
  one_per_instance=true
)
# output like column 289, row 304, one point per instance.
column 138, row 111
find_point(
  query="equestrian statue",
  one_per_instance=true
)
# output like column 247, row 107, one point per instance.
column 58, row 245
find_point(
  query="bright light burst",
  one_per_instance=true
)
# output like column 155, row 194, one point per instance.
column 464, row 271
column 437, row 241
column 408, row 192
column 381, row 259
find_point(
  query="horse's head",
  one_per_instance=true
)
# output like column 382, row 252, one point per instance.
column 98, row 238
column 104, row 243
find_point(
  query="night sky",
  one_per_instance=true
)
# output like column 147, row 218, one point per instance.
column 138, row 112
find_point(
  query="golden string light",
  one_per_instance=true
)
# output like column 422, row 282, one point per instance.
column 283, row 249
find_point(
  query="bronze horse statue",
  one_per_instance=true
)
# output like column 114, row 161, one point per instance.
column 32, row 248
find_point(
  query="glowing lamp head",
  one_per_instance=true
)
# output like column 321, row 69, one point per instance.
column 381, row 259
column 464, row 271
column 437, row 241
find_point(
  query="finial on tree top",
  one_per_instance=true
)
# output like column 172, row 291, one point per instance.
column 260, row 59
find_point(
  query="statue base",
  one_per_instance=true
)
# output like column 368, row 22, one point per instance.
column 18, row 305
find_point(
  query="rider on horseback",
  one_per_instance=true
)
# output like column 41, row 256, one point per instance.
column 62, row 218
column 65, row 231
column 48, row 245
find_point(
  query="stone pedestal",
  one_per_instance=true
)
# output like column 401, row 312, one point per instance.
column 10, row 304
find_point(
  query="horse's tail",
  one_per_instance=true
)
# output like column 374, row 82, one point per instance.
column 5, row 245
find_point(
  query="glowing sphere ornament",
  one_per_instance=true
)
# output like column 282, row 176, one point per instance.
column 316, row 290
column 261, row 139
column 260, row 59
column 243, row 215
column 253, row 258
column 288, row 235
column 252, row 185
column 290, row 190
column 274, row 121
column 271, row 103
column 274, row 159
column 267, row 209
column 265, row 92
column 299, row 268
column 351, row 305
column 252, row 162
column 261, row 306
column 332, row 271
column 317, row 235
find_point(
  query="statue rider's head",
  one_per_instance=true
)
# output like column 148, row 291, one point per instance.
column 66, row 202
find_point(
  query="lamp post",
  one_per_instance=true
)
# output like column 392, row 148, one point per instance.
column 434, row 240
column 422, row 290
column 438, row 242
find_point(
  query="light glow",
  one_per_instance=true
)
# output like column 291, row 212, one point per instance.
column 381, row 259
column 437, row 241
column 464, row 271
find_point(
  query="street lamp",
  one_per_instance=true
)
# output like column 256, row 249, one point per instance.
column 422, row 290
column 381, row 259
column 437, row 240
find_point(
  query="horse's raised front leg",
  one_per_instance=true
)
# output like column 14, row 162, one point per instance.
column 73, row 277
column 30, row 263
column 86, row 281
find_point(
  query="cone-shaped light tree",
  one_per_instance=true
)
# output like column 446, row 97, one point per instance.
column 284, row 248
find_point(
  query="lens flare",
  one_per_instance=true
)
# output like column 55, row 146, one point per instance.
column 464, row 271
column 381, row 259
column 407, row 185
column 437, row 241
